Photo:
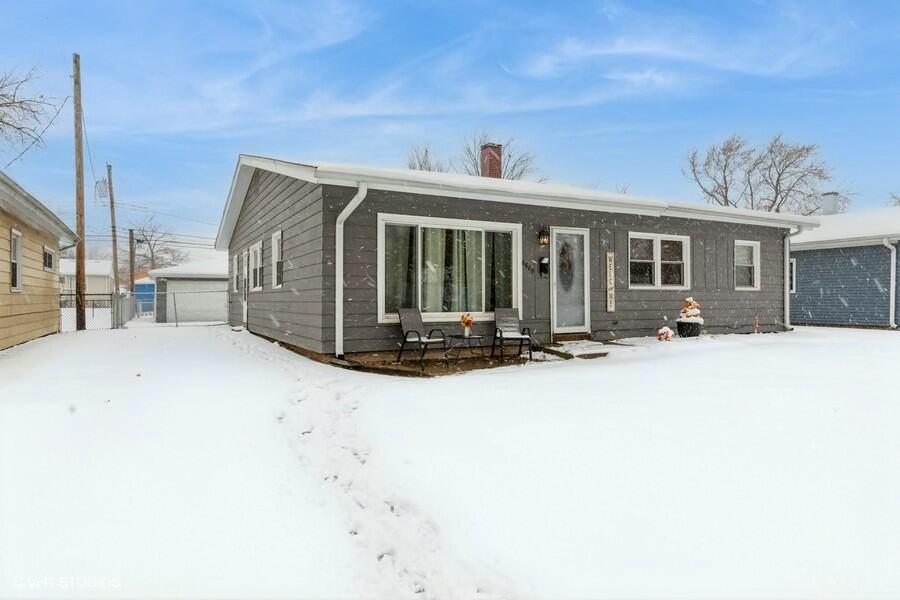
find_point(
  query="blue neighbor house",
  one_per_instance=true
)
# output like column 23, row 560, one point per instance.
column 845, row 272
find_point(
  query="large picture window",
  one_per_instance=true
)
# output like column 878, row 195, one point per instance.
column 446, row 267
column 746, row 265
column 659, row 261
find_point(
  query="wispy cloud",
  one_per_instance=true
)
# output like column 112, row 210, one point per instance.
column 779, row 40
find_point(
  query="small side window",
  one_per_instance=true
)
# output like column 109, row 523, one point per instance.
column 49, row 259
column 277, row 260
column 746, row 265
column 15, row 260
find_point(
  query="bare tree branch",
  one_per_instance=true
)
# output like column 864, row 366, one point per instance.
column 722, row 173
column 780, row 177
column 894, row 200
column 21, row 114
column 421, row 158
column 153, row 248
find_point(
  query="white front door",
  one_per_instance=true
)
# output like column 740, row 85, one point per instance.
column 245, row 283
column 570, row 280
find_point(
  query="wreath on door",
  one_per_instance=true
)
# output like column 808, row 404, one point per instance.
column 566, row 268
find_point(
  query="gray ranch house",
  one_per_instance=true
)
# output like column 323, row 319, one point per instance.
column 845, row 272
column 321, row 256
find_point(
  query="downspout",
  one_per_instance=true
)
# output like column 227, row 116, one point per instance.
column 787, row 276
column 893, row 292
column 339, row 268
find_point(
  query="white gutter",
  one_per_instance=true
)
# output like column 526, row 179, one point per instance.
column 787, row 276
column 893, row 293
column 339, row 268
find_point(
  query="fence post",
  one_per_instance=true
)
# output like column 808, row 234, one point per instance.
column 113, row 312
column 175, row 306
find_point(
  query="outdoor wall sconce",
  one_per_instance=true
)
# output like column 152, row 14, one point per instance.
column 544, row 237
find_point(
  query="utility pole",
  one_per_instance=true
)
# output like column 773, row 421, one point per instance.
column 79, row 197
column 131, row 260
column 112, row 219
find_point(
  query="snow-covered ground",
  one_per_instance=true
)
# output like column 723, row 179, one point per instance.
column 204, row 462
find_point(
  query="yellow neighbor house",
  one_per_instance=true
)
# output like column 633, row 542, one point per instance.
column 30, row 237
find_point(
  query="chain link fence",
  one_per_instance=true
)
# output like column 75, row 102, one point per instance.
column 101, row 311
column 195, row 307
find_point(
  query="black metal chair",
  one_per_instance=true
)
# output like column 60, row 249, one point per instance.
column 508, row 329
column 413, row 333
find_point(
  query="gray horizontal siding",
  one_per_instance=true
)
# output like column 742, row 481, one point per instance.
column 842, row 286
column 292, row 313
column 638, row 312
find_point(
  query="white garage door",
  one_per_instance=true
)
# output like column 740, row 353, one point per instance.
column 196, row 300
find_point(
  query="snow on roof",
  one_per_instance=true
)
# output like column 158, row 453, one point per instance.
column 482, row 188
column 92, row 267
column 143, row 280
column 855, row 228
column 216, row 268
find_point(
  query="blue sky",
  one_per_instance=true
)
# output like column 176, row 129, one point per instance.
column 604, row 93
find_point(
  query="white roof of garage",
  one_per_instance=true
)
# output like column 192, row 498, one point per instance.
column 216, row 268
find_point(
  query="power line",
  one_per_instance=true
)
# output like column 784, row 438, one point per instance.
column 40, row 135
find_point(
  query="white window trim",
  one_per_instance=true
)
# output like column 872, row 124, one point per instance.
column 15, row 233
column 757, row 268
column 793, row 275
column 258, row 246
column 657, row 260
column 276, row 236
column 235, row 274
column 421, row 221
column 51, row 252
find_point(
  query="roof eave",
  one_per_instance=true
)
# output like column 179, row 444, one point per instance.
column 16, row 200
column 855, row 242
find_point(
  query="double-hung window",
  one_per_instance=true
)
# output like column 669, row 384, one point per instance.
column 659, row 261
column 49, row 259
column 15, row 260
column 746, row 265
column 445, row 267
column 256, row 267
column 277, row 260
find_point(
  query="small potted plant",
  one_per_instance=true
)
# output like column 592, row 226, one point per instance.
column 690, row 320
column 466, row 321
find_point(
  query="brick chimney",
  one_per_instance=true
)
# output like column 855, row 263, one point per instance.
column 491, row 165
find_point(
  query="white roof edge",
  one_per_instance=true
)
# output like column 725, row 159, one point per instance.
column 16, row 200
column 484, row 188
column 869, row 240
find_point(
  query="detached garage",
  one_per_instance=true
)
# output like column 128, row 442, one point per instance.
column 194, row 292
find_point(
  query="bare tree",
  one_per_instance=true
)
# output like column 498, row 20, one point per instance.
column 723, row 173
column 515, row 163
column 22, row 114
column 421, row 158
column 155, row 248
column 894, row 200
column 791, row 176
column 623, row 188
column 780, row 177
